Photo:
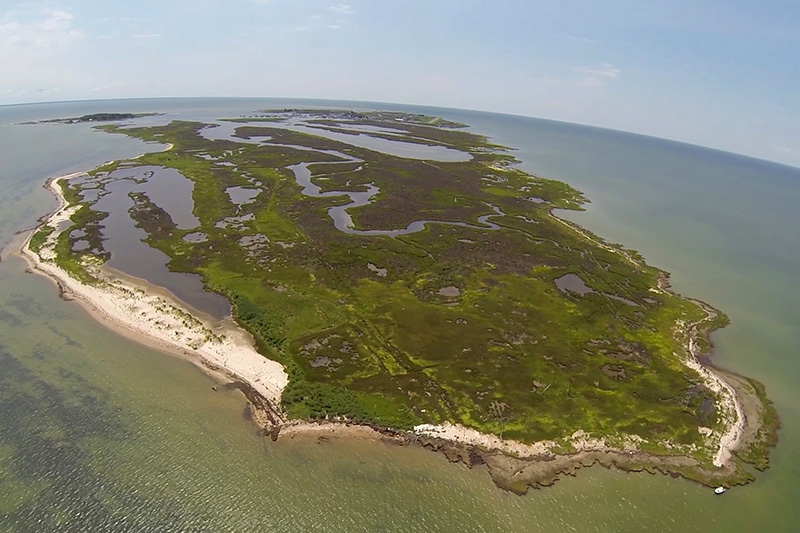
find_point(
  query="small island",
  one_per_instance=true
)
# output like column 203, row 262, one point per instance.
column 95, row 117
column 397, row 272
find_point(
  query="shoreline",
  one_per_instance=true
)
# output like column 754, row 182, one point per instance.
column 159, row 321
column 734, row 414
column 543, row 468
column 728, row 400
column 154, row 318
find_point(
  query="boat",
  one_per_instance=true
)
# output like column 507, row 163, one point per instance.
column 720, row 490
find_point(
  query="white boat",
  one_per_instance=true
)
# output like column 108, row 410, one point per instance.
column 720, row 490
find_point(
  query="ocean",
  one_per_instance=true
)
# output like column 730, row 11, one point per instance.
column 100, row 434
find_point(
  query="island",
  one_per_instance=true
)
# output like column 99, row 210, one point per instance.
column 94, row 117
column 397, row 274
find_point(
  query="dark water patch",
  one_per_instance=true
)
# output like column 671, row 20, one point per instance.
column 44, row 426
column 407, row 150
column 353, row 125
column 450, row 292
column 249, row 240
column 235, row 222
column 66, row 339
column 79, row 246
column 573, row 283
column 132, row 256
column 9, row 318
column 25, row 305
column 622, row 299
column 396, row 148
column 343, row 221
column 242, row 195
column 254, row 244
column 195, row 237
column 167, row 188
column 90, row 195
column 226, row 131
column 83, row 179
column 63, row 225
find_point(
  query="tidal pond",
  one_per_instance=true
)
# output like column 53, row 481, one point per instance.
column 125, row 241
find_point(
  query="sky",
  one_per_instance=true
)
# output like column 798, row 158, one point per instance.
column 719, row 73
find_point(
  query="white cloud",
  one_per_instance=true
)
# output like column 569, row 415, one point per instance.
column 35, row 49
column 603, row 71
column 45, row 29
column 344, row 9
column 599, row 76
column 320, row 22
column 580, row 39
column 36, row 90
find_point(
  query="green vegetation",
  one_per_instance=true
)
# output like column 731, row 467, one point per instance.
column 40, row 237
column 102, row 117
column 455, row 323
column 94, row 117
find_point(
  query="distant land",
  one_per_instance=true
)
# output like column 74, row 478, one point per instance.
column 396, row 272
column 95, row 117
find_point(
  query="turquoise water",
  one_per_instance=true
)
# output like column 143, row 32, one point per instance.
column 98, row 433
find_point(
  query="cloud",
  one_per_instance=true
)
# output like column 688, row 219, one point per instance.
column 35, row 49
column 36, row 90
column 599, row 76
column 344, row 9
column 603, row 71
column 41, row 30
column 580, row 39
column 146, row 35
column 320, row 22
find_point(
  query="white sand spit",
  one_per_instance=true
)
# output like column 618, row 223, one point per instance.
column 473, row 437
column 157, row 320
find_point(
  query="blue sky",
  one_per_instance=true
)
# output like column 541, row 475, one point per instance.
column 720, row 73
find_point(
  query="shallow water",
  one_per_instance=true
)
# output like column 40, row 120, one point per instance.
column 171, row 191
column 387, row 146
column 227, row 131
column 110, row 436
column 343, row 221
column 573, row 283
column 131, row 255
column 242, row 195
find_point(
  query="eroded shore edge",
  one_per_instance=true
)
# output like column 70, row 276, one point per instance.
column 154, row 318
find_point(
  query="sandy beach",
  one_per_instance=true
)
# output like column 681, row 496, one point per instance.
column 158, row 320
column 731, row 409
